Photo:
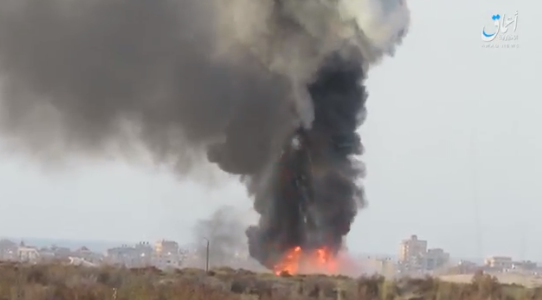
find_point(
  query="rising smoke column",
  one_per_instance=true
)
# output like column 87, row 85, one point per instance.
column 230, row 82
column 224, row 229
column 316, row 193
column 313, row 193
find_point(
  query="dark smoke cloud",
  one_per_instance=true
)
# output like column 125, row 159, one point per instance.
column 314, row 193
column 90, row 75
column 236, row 83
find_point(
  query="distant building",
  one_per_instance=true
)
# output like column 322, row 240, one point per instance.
column 46, row 255
column 381, row 266
column 87, row 255
column 463, row 267
column 466, row 267
column 60, row 252
column 54, row 253
column 167, row 255
column 525, row 266
column 164, row 254
column 27, row 254
column 83, row 252
column 7, row 244
column 165, row 246
column 411, row 253
column 435, row 259
column 412, row 248
column 8, row 250
column 77, row 261
column 499, row 262
column 123, row 255
column 144, row 252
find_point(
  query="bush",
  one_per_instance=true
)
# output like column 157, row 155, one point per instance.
column 61, row 282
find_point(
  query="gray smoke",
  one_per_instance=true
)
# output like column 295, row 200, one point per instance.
column 91, row 76
column 224, row 230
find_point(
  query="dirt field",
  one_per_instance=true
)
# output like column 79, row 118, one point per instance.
column 510, row 278
column 59, row 282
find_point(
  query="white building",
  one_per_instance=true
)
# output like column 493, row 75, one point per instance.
column 167, row 255
column 499, row 262
column 381, row 266
column 28, row 254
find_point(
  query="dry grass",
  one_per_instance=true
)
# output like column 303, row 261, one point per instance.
column 59, row 282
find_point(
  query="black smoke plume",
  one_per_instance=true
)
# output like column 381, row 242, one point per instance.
column 268, row 90
column 315, row 193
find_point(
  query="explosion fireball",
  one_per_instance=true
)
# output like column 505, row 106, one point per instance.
column 296, row 260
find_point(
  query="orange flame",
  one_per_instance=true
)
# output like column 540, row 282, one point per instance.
column 297, row 261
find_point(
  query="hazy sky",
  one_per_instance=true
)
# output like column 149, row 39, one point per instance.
column 451, row 144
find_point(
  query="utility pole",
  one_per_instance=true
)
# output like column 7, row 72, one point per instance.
column 522, row 248
column 207, row 255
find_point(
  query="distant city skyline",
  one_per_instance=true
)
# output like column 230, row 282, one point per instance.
column 102, row 245
column 417, row 258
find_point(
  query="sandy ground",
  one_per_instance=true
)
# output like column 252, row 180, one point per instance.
column 525, row 280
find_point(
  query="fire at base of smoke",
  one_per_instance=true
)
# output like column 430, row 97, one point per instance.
column 315, row 192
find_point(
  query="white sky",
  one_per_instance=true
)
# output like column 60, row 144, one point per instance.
column 451, row 144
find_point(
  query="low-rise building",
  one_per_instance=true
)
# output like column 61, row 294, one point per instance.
column 54, row 253
column 525, row 266
column 465, row 267
column 499, row 262
column 137, row 256
column 435, row 259
column 28, row 254
column 123, row 255
column 60, row 252
column 77, row 261
column 381, row 266
column 87, row 255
